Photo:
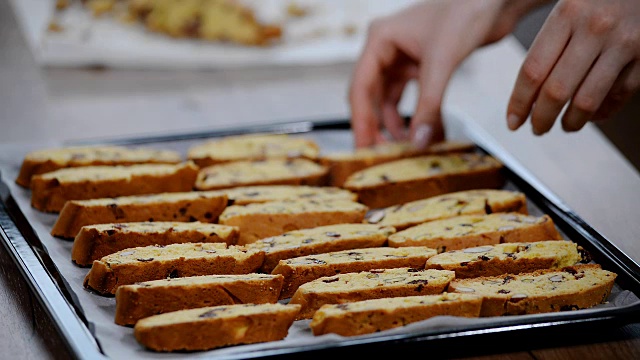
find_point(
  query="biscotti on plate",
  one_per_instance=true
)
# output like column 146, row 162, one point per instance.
column 318, row 240
column 262, row 172
column 253, row 147
column 476, row 230
column 44, row 161
column 141, row 300
column 213, row 327
column 550, row 290
column 94, row 242
column 203, row 206
column 258, row 194
column 259, row 221
column 300, row 270
column 171, row 261
column 372, row 284
column 343, row 164
column 51, row 190
column 406, row 180
column 485, row 201
column 509, row 258
column 370, row 316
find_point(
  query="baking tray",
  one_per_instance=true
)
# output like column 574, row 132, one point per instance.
column 53, row 292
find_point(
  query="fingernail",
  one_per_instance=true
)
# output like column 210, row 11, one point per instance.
column 513, row 121
column 422, row 136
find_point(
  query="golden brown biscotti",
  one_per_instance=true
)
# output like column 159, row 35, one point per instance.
column 203, row 206
column 253, row 147
column 477, row 230
column 259, row 194
column 509, row 258
column 259, row 221
column 300, row 270
column 213, row 327
column 44, row 161
column 365, row 285
column 51, row 190
column 541, row 291
column 262, row 172
column 406, row 180
column 370, row 316
column 468, row 202
column 343, row 164
column 318, row 240
column 94, row 242
column 141, row 300
column 171, row 261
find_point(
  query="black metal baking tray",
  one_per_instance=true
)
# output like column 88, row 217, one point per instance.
column 49, row 286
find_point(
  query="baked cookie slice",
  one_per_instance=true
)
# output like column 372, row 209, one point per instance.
column 44, row 161
column 468, row 202
column 301, row 270
column 213, row 327
column 550, row 290
column 318, row 240
column 372, row 284
column 469, row 231
column 259, row 221
column 141, row 300
column 51, row 190
column 402, row 181
column 94, row 242
column 261, row 172
column 370, row 316
column 259, row 194
column 171, row 261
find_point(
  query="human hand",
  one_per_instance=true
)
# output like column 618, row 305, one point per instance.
column 586, row 56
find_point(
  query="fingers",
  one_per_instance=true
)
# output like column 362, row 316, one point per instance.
column 391, row 118
column 623, row 89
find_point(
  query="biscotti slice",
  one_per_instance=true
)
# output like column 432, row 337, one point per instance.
column 262, row 172
column 258, row 194
column 509, row 258
column 370, row 316
column 253, row 147
column 372, row 284
column 171, row 261
column 300, row 270
column 203, row 206
column 94, row 242
column 51, row 190
column 213, row 327
column 141, row 300
column 477, row 230
column 259, row 221
column 468, row 202
column 44, row 161
column 318, row 240
column 343, row 164
column 402, row 181
column 550, row 290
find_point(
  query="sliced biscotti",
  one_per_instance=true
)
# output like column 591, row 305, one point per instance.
column 44, row 161
column 343, row 164
column 402, row 181
column 253, row 147
column 477, row 230
column 372, row 284
column 51, row 190
column 318, row 240
column 177, row 260
column 94, row 242
column 300, row 270
column 550, row 290
column 262, row 193
column 509, row 258
column 262, row 172
column 485, row 201
column 214, row 327
column 203, row 206
column 141, row 300
column 259, row 221
column 370, row 316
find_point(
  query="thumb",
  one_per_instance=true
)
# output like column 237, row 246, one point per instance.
column 426, row 124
